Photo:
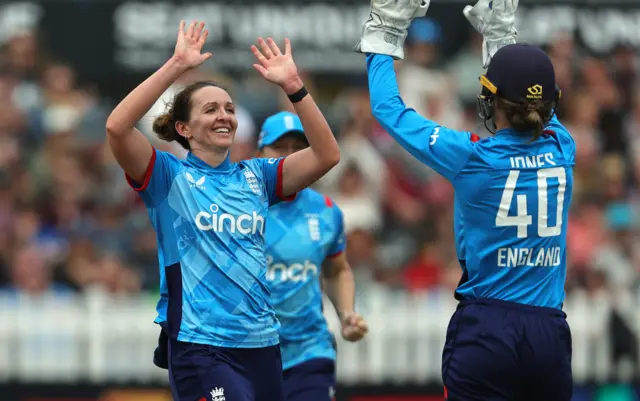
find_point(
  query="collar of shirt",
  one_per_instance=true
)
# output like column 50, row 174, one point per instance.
column 199, row 164
column 507, row 132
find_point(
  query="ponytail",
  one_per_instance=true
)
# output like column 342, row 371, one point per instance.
column 529, row 117
column 165, row 128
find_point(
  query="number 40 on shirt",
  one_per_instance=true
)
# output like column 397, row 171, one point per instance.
column 522, row 220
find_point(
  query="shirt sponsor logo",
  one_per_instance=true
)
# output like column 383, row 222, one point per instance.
column 225, row 222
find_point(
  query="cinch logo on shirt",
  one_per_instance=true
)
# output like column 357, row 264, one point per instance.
column 297, row 272
column 244, row 223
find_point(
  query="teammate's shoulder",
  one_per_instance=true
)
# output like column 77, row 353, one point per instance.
column 320, row 200
column 563, row 139
column 557, row 129
column 560, row 134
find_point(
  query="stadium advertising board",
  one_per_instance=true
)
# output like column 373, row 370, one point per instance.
column 136, row 36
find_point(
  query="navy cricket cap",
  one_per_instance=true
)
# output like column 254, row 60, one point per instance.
column 521, row 73
column 277, row 126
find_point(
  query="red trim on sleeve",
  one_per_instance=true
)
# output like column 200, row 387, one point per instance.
column 279, row 183
column 549, row 132
column 328, row 201
column 335, row 255
column 474, row 137
column 147, row 175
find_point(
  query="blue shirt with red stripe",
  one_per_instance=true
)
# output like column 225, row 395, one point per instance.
column 512, row 196
column 210, row 224
column 301, row 235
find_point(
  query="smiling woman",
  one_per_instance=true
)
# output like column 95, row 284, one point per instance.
column 219, row 334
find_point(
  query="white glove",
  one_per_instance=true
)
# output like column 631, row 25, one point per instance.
column 495, row 20
column 386, row 29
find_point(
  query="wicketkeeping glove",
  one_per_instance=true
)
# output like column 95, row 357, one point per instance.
column 495, row 20
column 386, row 28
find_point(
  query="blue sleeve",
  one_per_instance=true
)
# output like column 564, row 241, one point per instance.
column 271, row 172
column 444, row 150
column 163, row 168
column 340, row 240
column 567, row 142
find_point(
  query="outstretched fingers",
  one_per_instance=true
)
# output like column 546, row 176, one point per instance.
column 262, row 60
column 198, row 31
column 181, row 30
column 191, row 29
column 265, row 49
column 274, row 47
column 203, row 38
column 258, row 55
column 287, row 46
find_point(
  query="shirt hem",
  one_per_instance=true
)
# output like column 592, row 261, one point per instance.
column 228, row 344
column 300, row 361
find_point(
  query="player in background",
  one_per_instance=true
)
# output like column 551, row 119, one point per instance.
column 209, row 215
column 508, row 339
column 306, row 241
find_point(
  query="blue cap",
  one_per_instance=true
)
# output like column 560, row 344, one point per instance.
column 277, row 126
column 424, row 30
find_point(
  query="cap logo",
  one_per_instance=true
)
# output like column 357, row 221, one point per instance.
column 288, row 122
column 535, row 92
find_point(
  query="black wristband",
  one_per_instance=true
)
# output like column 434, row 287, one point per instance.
column 298, row 96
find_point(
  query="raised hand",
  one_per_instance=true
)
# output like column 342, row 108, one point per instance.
column 188, row 51
column 275, row 66
column 385, row 31
column 492, row 17
column 495, row 21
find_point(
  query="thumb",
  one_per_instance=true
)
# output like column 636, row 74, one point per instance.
column 469, row 12
column 207, row 56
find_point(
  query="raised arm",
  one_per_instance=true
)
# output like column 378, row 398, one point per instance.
column 444, row 150
column 382, row 40
column 304, row 167
column 131, row 148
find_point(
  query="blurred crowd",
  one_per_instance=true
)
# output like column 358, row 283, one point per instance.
column 69, row 221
